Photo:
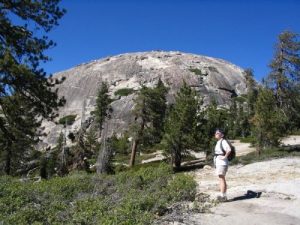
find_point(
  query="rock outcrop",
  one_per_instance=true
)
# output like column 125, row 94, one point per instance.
column 212, row 78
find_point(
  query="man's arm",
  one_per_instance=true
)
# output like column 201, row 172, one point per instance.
column 227, row 149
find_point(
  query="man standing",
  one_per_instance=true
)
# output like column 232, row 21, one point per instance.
column 222, row 151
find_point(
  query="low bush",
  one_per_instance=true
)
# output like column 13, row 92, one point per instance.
column 69, row 120
column 197, row 71
column 124, row 92
column 248, row 139
column 134, row 196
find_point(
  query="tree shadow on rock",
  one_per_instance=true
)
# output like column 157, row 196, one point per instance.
column 291, row 148
column 191, row 166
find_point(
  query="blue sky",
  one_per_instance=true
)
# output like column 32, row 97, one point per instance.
column 242, row 32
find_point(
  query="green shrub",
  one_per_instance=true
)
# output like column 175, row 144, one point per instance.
column 69, row 120
column 124, row 92
column 248, row 139
column 134, row 196
column 120, row 145
column 240, row 99
column 197, row 71
column 89, row 210
column 183, row 188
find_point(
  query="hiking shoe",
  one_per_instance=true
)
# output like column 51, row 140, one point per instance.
column 222, row 198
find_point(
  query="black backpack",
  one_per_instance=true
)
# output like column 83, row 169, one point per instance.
column 231, row 156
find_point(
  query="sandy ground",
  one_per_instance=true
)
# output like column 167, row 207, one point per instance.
column 262, row 193
column 278, row 181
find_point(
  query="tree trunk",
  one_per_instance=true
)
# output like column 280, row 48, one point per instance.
column 258, row 151
column 177, row 160
column 8, row 162
column 104, row 163
column 133, row 152
column 135, row 144
column 7, row 168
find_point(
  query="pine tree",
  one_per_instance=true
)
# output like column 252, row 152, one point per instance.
column 62, row 155
column 105, row 158
column 102, row 105
column 180, row 125
column 120, row 145
column 103, row 113
column 268, row 120
column 242, row 109
column 21, row 51
column 209, row 120
column 156, row 98
column 19, row 132
column 284, row 78
column 238, row 118
column 91, row 143
column 251, row 91
column 86, row 149
column 149, row 112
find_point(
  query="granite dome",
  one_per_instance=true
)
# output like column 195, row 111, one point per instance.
column 212, row 78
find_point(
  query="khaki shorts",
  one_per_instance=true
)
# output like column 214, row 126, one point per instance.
column 221, row 170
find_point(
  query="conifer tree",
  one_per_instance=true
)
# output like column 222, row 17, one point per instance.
column 251, row 91
column 159, row 107
column 212, row 117
column 62, row 155
column 149, row 112
column 268, row 120
column 22, row 47
column 102, row 105
column 91, row 143
column 103, row 113
column 242, row 109
column 18, row 133
column 157, row 103
column 180, row 124
column 238, row 118
column 284, row 78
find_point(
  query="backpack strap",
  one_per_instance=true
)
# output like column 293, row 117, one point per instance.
column 224, row 152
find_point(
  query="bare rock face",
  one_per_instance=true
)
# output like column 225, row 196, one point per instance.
column 212, row 78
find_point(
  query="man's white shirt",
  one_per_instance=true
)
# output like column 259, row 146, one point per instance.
column 218, row 151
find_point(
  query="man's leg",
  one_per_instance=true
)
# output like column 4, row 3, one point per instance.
column 221, row 172
column 223, row 184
